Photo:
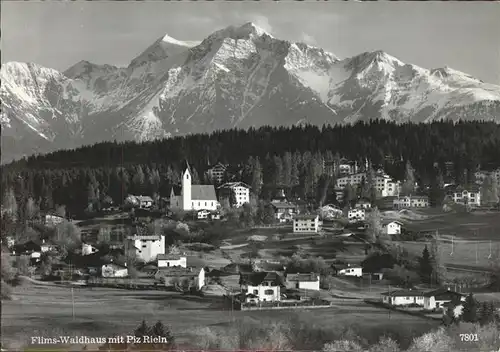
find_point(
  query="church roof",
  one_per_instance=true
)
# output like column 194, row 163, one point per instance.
column 203, row 192
column 187, row 167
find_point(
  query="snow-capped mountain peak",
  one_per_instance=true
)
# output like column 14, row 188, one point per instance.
column 238, row 76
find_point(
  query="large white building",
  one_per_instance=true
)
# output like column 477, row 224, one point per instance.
column 470, row 196
column 147, row 247
column 306, row 223
column 384, row 185
column 240, row 189
column 193, row 197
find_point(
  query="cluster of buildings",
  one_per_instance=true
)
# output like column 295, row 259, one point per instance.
column 384, row 184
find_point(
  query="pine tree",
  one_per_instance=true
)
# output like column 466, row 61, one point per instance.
column 159, row 330
column 408, row 187
column 278, row 176
column 425, row 267
column 371, row 184
column 469, row 312
column 348, row 195
column 142, row 330
column 438, row 265
column 486, row 313
column 287, row 170
column 256, row 177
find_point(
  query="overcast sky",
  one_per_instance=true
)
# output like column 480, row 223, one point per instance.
column 462, row 35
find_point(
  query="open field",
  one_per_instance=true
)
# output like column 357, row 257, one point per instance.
column 47, row 311
column 460, row 253
column 480, row 225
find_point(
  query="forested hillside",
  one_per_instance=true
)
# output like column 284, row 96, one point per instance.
column 266, row 158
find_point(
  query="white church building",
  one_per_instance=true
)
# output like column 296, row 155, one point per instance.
column 193, row 197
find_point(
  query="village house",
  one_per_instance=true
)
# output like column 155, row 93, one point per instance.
column 481, row 175
column 114, row 270
column 302, row 281
column 391, row 227
column 330, row 212
column 193, row 197
column 52, row 219
column 306, row 224
column 215, row 215
column 284, row 211
column 261, row 286
column 339, row 194
column 437, row 298
column 88, row 249
column 143, row 202
column 348, row 270
column 363, row 204
column 171, row 276
column 171, row 260
column 241, row 192
column 217, row 172
column 147, row 247
column 470, row 196
column 202, row 214
column 403, row 297
column 355, row 215
column 34, row 248
column 411, row 202
column 47, row 246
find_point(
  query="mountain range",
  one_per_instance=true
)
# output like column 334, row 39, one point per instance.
column 239, row 76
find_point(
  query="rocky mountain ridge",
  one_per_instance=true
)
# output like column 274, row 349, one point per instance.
column 236, row 77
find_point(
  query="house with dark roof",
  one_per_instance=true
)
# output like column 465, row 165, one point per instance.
column 403, row 297
column 217, row 172
column 469, row 195
column 299, row 281
column 437, row 298
column 284, row 211
column 262, row 286
column 193, row 197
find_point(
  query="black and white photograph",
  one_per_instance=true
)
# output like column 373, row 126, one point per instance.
column 250, row 176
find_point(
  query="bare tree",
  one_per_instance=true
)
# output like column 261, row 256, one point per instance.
column 9, row 203
column 489, row 191
column 374, row 225
column 67, row 235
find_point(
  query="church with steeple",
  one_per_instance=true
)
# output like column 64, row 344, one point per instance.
column 193, row 197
